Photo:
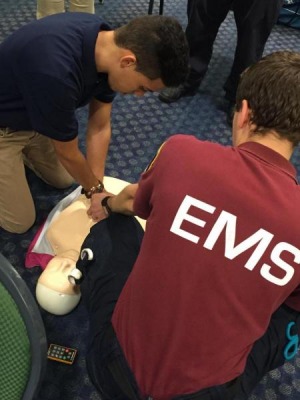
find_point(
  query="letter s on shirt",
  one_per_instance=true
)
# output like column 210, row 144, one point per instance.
column 275, row 257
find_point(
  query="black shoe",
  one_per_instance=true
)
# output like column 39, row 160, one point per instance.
column 171, row 94
column 230, row 113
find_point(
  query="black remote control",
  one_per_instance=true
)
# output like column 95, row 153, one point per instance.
column 62, row 354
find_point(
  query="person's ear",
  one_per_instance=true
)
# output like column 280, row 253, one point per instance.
column 243, row 115
column 128, row 61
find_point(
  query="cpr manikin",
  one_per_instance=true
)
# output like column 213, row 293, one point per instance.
column 56, row 289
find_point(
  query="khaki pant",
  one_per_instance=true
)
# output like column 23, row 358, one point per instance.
column 49, row 7
column 17, row 211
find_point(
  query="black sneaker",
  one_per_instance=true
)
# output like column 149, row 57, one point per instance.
column 172, row 94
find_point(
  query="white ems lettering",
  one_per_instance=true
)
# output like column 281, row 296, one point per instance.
column 182, row 214
column 275, row 257
column 226, row 221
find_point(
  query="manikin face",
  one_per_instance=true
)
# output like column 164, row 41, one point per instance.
column 55, row 276
column 54, row 292
column 124, row 78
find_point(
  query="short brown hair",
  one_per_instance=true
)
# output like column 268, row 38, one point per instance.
column 272, row 89
column 160, row 46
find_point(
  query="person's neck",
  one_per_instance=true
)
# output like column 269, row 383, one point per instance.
column 272, row 140
column 105, row 50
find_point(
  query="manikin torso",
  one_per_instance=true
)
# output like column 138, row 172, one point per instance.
column 66, row 234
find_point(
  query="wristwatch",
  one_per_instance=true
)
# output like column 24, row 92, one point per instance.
column 104, row 203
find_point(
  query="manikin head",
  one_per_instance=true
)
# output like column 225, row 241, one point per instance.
column 54, row 292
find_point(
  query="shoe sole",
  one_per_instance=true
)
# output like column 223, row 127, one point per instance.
column 169, row 100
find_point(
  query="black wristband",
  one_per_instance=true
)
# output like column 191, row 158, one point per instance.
column 104, row 203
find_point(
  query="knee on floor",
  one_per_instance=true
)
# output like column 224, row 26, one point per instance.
column 63, row 182
column 20, row 225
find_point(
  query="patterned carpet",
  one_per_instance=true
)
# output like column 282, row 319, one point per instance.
column 139, row 126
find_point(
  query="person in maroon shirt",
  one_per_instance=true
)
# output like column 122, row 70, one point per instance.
column 207, row 301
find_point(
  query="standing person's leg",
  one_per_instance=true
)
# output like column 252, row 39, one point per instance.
column 254, row 20
column 87, row 6
column 204, row 20
column 115, row 243
column 17, row 212
column 49, row 7
column 39, row 155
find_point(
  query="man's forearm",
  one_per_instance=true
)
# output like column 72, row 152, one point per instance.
column 80, row 170
column 97, row 147
column 98, row 136
column 75, row 163
column 123, row 202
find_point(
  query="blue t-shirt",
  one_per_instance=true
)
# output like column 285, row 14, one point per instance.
column 48, row 70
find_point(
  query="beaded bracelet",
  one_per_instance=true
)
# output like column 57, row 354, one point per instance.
column 94, row 189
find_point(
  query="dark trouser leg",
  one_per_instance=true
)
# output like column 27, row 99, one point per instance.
column 254, row 20
column 267, row 352
column 204, row 20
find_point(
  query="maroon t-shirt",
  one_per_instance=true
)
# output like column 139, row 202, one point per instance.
column 219, row 255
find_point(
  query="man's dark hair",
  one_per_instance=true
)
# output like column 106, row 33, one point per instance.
column 272, row 89
column 160, row 46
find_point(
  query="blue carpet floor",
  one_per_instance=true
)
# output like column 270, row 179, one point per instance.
column 139, row 126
